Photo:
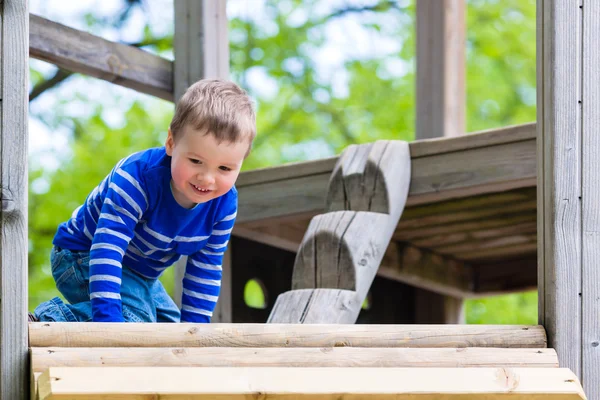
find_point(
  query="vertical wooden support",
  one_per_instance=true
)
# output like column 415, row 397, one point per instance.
column 14, row 72
column 440, row 87
column 201, row 50
column 224, row 310
column 568, row 87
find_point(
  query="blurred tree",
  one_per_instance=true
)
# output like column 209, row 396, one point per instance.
column 315, row 95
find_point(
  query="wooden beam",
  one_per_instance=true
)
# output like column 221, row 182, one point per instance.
column 201, row 50
column 14, row 81
column 441, row 89
column 309, row 383
column 201, row 44
column 43, row 358
column 341, row 250
column 437, row 175
column 81, row 52
column 88, row 334
column 223, row 311
column 426, row 270
column 505, row 276
column 568, row 87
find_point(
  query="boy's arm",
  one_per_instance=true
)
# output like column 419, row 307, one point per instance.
column 124, row 205
column 202, row 280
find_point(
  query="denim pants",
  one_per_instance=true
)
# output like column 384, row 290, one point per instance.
column 144, row 300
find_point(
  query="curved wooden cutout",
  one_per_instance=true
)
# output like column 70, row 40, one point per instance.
column 342, row 249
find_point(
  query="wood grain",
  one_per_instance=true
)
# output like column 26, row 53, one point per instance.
column 91, row 55
column 88, row 334
column 309, row 383
column 441, row 69
column 560, row 177
column 436, row 176
column 14, row 83
column 342, row 249
column 43, row 358
column 590, row 168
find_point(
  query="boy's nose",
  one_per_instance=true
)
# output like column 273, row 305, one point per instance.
column 206, row 178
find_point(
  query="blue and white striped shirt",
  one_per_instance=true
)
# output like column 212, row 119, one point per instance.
column 132, row 218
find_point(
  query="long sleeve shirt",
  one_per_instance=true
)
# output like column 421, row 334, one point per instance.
column 131, row 218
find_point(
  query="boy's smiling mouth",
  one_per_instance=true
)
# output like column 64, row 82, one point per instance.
column 200, row 190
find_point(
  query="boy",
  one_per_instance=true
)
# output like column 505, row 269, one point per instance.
column 155, row 206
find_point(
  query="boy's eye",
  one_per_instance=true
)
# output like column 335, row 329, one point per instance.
column 194, row 161
column 222, row 168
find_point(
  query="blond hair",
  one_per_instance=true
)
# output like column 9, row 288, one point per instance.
column 218, row 107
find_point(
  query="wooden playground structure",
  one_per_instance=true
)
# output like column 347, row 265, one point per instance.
column 414, row 227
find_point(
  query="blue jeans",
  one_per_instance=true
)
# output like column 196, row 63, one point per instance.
column 144, row 300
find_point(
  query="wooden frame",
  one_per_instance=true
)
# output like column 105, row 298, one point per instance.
column 568, row 98
column 568, row 184
column 14, row 78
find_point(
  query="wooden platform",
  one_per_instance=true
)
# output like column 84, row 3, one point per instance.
column 469, row 228
column 294, row 361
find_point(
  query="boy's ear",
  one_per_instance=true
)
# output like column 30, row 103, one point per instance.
column 169, row 143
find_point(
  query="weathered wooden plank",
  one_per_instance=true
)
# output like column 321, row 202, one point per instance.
column 560, row 176
column 505, row 276
column 84, row 53
column 201, row 50
column 201, row 44
column 309, row 383
column 475, row 235
column 467, row 215
column 590, row 168
column 14, row 78
column 475, row 245
column 490, row 169
column 426, row 270
column 418, row 148
column 343, row 249
column 316, row 306
column 434, row 178
column 500, row 253
column 43, row 358
column 441, row 89
column 88, row 334
column 223, row 311
column 498, row 221
column 473, row 140
column 469, row 203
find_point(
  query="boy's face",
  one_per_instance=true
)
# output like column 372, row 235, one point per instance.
column 201, row 168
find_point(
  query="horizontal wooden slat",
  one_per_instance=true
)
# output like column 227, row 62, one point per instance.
column 426, row 270
column 435, row 177
column 43, row 358
column 419, row 148
column 489, row 137
column 506, row 276
column 87, row 334
column 309, row 383
column 84, row 53
column 503, row 219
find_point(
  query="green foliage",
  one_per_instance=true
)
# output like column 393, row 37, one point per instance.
column 519, row 308
column 306, row 109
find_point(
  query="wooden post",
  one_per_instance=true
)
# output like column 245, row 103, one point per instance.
column 441, row 43
column 440, row 68
column 342, row 248
column 568, row 87
column 14, row 73
column 201, row 50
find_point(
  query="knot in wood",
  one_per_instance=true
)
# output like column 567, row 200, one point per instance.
column 8, row 202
